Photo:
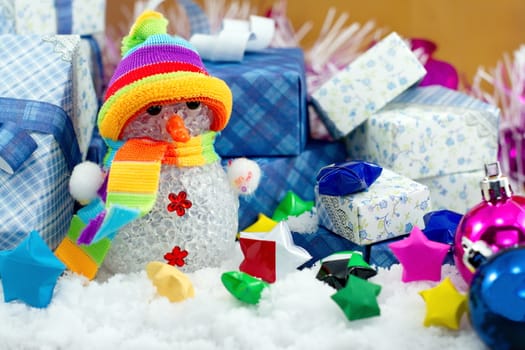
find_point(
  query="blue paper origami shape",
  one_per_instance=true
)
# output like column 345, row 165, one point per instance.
column 440, row 225
column 341, row 179
column 30, row 272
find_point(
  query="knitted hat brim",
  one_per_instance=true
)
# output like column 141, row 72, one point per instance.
column 135, row 98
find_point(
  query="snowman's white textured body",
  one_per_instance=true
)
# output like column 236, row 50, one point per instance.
column 205, row 230
column 162, row 98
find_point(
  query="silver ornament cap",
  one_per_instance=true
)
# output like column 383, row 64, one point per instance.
column 494, row 186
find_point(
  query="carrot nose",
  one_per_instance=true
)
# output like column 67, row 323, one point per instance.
column 177, row 129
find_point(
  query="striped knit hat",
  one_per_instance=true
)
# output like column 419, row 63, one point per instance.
column 159, row 68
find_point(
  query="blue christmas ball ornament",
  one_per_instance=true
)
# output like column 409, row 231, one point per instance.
column 497, row 300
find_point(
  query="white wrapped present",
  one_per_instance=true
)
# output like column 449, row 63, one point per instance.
column 52, row 16
column 366, row 85
column 427, row 132
column 457, row 192
column 390, row 207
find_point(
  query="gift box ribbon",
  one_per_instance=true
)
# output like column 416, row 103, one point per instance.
column 236, row 37
column 16, row 145
column 64, row 11
column 21, row 116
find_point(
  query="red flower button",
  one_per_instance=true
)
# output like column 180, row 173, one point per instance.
column 179, row 203
column 176, row 256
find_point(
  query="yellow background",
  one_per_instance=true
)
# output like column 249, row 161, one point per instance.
column 469, row 33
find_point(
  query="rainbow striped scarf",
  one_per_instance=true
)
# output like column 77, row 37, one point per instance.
column 133, row 181
column 135, row 167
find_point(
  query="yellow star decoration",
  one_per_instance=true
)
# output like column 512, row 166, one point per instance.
column 170, row 282
column 263, row 224
column 445, row 305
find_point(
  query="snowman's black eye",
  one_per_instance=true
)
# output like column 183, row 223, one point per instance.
column 193, row 104
column 154, row 110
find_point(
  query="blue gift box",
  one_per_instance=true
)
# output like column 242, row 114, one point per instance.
column 53, row 69
column 35, row 196
column 47, row 110
column 269, row 104
column 282, row 174
column 47, row 17
column 323, row 243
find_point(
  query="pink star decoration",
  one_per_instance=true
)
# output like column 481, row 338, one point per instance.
column 420, row 257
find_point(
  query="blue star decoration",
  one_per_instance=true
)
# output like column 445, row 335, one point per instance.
column 30, row 272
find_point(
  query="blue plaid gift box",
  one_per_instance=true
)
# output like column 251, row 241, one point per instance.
column 47, row 112
column 390, row 207
column 199, row 22
column 52, row 69
column 46, row 17
column 323, row 243
column 269, row 104
column 281, row 174
column 34, row 187
column 366, row 85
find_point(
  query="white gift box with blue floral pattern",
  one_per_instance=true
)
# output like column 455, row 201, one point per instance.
column 427, row 132
column 458, row 192
column 366, row 85
column 52, row 17
column 391, row 207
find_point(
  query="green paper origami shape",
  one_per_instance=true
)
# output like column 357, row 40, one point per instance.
column 358, row 267
column 291, row 205
column 244, row 287
column 358, row 299
column 336, row 268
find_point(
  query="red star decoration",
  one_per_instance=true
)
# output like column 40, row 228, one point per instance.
column 421, row 258
column 179, row 203
column 271, row 255
column 176, row 256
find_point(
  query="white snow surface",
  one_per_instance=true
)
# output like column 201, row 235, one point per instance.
column 296, row 312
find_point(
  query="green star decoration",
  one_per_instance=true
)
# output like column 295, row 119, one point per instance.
column 358, row 299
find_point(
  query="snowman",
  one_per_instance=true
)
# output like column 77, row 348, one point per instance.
column 163, row 193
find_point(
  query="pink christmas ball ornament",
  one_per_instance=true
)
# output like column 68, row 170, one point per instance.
column 496, row 223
